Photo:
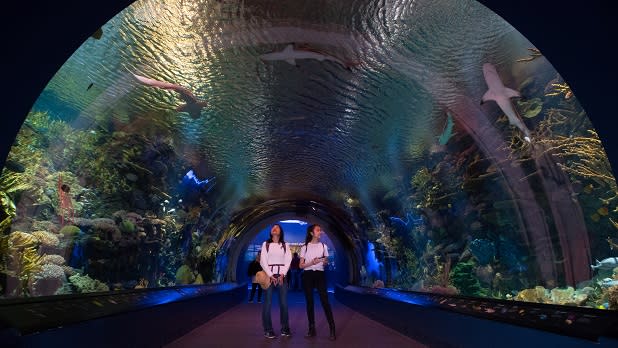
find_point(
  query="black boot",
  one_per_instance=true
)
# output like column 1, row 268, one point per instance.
column 311, row 331
column 332, row 336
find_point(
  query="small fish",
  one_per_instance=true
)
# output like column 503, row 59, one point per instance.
column 502, row 96
column 90, row 86
column 97, row 34
column 608, row 263
column 193, row 105
column 608, row 282
column 131, row 177
column 448, row 130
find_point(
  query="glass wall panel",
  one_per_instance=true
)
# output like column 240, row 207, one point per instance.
column 460, row 155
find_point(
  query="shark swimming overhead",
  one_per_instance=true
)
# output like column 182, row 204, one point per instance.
column 290, row 55
column 193, row 105
column 502, row 96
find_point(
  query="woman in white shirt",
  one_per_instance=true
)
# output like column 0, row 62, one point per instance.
column 313, row 258
column 275, row 260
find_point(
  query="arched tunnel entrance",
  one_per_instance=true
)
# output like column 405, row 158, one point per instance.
column 246, row 226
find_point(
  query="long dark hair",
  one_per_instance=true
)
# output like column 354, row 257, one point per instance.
column 281, row 238
column 309, row 236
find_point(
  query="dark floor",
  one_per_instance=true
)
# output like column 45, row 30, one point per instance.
column 241, row 327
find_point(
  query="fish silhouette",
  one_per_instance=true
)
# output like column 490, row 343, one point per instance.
column 289, row 55
column 502, row 96
column 97, row 34
column 192, row 105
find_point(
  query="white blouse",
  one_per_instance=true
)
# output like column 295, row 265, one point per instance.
column 312, row 251
column 275, row 260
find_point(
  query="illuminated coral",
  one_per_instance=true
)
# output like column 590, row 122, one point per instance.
column 85, row 284
column 46, row 238
column 584, row 157
column 534, row 54
column 10, row 183
column 53, row 259
column 21, row 259
column 561, row 89
column 47, row 281
column 184, row 275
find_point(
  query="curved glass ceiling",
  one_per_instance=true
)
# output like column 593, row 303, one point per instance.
column 460, row 158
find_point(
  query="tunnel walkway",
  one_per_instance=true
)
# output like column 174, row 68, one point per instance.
column 241, row 327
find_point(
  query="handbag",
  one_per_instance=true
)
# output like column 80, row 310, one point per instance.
column 263, row 279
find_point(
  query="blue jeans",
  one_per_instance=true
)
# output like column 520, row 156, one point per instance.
column 267, row 322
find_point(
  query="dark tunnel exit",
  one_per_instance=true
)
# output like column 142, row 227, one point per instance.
column 251, row 230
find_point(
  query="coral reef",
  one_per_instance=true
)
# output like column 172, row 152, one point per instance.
column 85, row 284
column 534, row 54
column 530, row 108
column 560, row 89
column 585, row 158
column 105, row 228
column 48, row 242
column 538, row 295
column 127, row 227
column 184, row 275
column 10, row 184
column 612, row 297
column 69, row 231
column 47, row 281
column 22, row 259
column 53, row 259
column 567, row 296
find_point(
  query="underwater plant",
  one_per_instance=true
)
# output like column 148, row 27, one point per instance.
column 184, row 275
column 22, row 259
column 84, row 284
column 69, row 231
column 127, row 227
column 463, row 278
column 585, row 157
column 10, row 184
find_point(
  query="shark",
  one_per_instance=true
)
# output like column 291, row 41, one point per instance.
column 448, row 130
column 290, row 55
column 192, row 105
column 502, row 96
column 607, row 264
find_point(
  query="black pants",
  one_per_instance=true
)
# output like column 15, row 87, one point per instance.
column 311, row 280
column 259, row 289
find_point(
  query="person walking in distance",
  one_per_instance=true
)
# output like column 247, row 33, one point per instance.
column 253, row 268
column 313, row 258
column 275, row 260
column 294, row 279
